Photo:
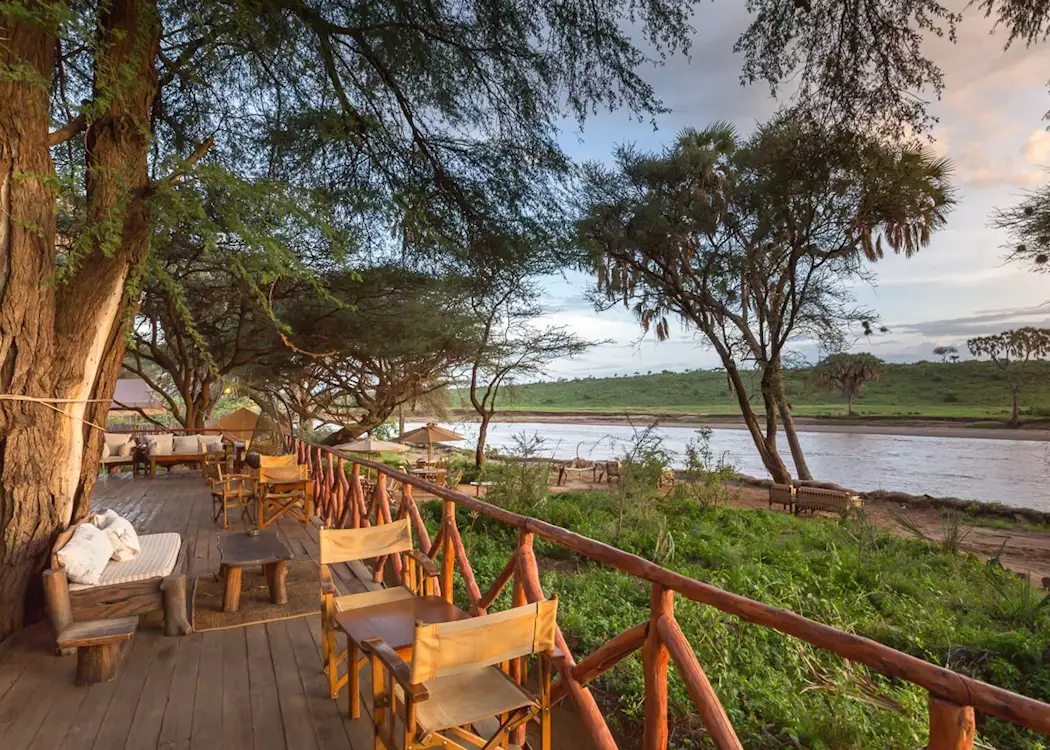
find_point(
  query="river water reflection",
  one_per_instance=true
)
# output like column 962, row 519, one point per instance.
column 1012, row 472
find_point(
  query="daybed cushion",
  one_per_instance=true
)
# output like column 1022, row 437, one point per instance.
column 161, row 445
column 211, row 444
column 116, row 439
column 121, row 534
column 187, row 445
column 86, row 555
column 159, row 554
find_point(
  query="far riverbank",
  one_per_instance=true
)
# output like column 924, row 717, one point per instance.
column 953, row 428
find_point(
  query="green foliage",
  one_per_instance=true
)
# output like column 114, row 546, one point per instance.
column 848, row 373
column 919, row 389
column 522, row 478
column 951, row 609
column 704, row 478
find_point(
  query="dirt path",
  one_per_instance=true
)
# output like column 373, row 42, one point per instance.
column 1027, row 549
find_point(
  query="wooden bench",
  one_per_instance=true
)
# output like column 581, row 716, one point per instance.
column 173, row 459
column 832, row 501
column 99, row 644
column 782, row 494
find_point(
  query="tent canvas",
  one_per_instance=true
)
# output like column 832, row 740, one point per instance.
column 237, row 426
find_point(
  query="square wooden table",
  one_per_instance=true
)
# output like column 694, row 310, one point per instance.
column 238, row 549
column 395, row 622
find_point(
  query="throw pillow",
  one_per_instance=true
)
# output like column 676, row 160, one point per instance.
column 121, row 534
column 161, row 445
column 126, row 449
column 211, row 444
column 105, row 450
column 187, row 445
column 85, row 555
column 114, row 440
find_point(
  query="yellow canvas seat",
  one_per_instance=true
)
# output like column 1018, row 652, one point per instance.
column 456, row 680
column 371, row 598
column 459, row 700
column 350, row 545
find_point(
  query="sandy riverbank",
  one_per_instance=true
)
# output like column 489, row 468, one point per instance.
column 877, row 426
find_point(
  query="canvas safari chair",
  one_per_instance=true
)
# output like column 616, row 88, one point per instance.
column 456, row 680
column 348, row 545
column 228, row 491
column 283, row 488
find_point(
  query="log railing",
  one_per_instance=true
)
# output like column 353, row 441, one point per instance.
column 340, row 502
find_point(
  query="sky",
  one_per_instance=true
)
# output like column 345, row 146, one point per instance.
column 990, row 125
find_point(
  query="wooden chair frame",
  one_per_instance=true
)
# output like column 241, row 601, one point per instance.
column 271, row 504
column 419, row 573
column 390, row 669
column 228, row 492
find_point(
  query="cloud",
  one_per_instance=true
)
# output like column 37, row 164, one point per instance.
column 980, row 324
column 1037, row 148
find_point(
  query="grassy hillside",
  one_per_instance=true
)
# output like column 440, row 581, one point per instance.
column 967, row 389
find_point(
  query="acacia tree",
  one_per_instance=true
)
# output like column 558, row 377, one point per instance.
column 944, row 352
column 1011, row 351
column 848, row 373
column 417, row 120
column 511, row 344
column 752, row 242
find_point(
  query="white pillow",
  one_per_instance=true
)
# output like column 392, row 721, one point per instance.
column 85, row 555
column 211, row 444
column 187, row 445
column 121, row 534
column 105, row 450
column 161, row 445
column 126, row 449
column 114, row 440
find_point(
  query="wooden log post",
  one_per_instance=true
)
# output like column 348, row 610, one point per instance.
column 465, row 570
column 951, row 726
column 176, row 619
column 703, row 695
column 97, row 663
column 655, row 658
column 383, row 515
column 56, row 594
column 448, row 551
column 586, row 707
column 423, row 538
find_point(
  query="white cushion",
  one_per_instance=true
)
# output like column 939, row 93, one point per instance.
column 116, row 439
column 105, row 450
column 159, row 554
column 126, row 449
column 121, row 534
column 86, row 555
column 211, row 444
column 187, row 445
column 161, row 445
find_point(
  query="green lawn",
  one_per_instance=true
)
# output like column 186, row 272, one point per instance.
column 971, row 390
column 952, row 609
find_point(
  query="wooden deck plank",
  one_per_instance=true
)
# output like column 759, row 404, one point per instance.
column 267, row 725
column 149, row 714
column 207, row 706
column 236, row 698
column 177, row 723
column 324, row 712
column 132, row 677
column 295, row 713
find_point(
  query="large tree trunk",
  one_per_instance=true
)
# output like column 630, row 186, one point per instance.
column 787, row 419
column 65, row 342
column 1015, row 410
column 765, row 444
column 483, row 434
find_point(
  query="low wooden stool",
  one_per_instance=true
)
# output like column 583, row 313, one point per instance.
column 99, row 644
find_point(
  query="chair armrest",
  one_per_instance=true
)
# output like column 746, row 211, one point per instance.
column 429, row 566
column 396, row 666
column 327, row 584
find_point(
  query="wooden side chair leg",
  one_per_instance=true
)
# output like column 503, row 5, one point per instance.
column 353, row 680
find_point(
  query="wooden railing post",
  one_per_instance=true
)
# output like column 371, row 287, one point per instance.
column 448, row 550
column 654, row 666
column 951, row 726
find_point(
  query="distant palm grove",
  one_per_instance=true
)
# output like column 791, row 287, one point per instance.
column 971, row 389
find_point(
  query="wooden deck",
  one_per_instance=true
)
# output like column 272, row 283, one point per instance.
column 259, row 686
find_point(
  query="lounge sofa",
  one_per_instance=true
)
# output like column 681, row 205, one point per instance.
column 154, row 579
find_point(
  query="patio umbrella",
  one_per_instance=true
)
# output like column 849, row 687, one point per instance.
column 428, row 435
column 371, row 448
